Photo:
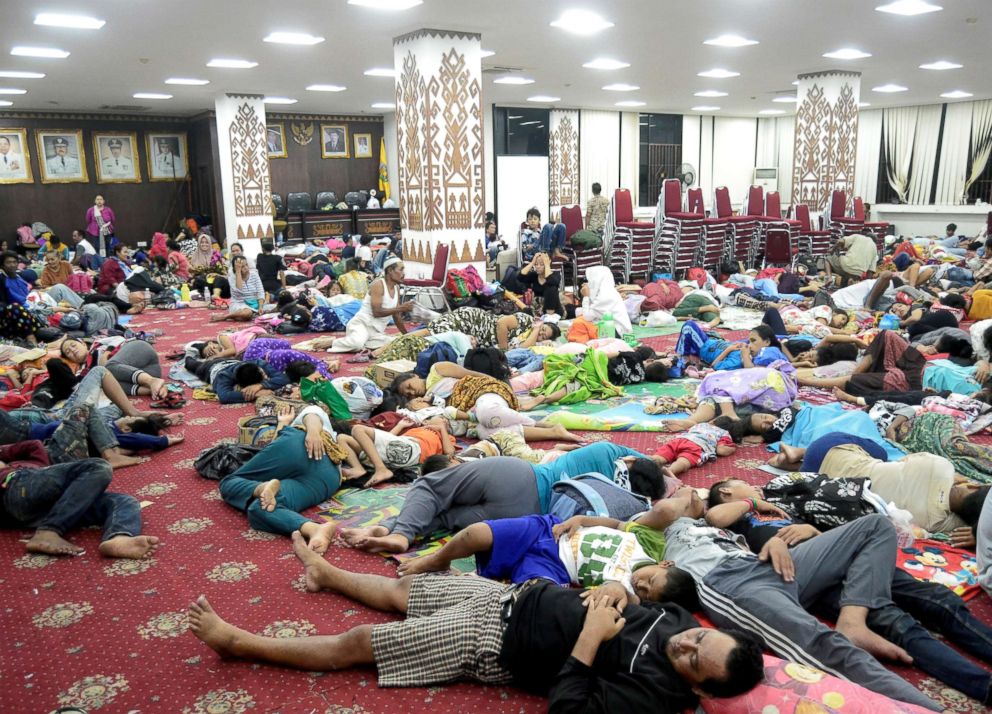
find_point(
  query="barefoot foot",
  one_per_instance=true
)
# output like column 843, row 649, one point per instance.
column 384, row 544
column 210, row 629
column 133, row 547
column 567, row 447
column 351, row 536
column 117, row 460
column 352, row 473
column 317, row 571
column 424, row 564
column 267, row 493
column 51, row 543
column 321, row 539
column 380, row 476
column 560, row 432
column 874, row 644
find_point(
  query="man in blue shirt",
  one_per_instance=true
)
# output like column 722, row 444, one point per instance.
column 247, row 381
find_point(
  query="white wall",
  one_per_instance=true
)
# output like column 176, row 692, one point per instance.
column 489, row 158
column 522, row 184
column 733, row 154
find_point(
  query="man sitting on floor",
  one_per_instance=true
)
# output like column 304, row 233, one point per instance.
column 853, row 257
column 588, row 654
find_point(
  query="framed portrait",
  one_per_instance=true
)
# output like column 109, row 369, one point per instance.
column 275, row 140
column 61, row 156
column 15, row 156
column 334, row 141
column 167, row 157
column 363, row 146
column 115, row 156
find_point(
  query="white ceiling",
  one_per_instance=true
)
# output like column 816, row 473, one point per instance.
column 146, row 41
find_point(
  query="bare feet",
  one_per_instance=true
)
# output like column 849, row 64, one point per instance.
column 158, row 388
column 353, row 535
column 266, row 494
column 315, row 567
column 118, row 460
column 320, row 541
column 133, row 547
column 849, row 398
column 876, row 645
column 424, row 564
column 210, row 629
column 560, row 432
column 676, row 425
column 347, row 474
column 380, row 476
column 51, row 543
column 384, row 544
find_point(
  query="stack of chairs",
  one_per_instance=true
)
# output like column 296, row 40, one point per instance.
column 578, row 260
column 784, row 230
column 715, row 232
column 875, row 230
column 838, row 223
column 742, row 229
column 679, row 232
column 754, row 207
column 815, row 243
column 630, row 242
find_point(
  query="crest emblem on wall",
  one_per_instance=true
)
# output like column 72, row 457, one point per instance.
column 302, row 132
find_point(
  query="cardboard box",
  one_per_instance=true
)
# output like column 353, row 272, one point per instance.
column 386, row 372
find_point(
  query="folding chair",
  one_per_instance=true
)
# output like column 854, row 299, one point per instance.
column 430, row 292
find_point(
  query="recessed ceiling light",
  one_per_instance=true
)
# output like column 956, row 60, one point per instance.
column 543, row 98
column 847, row 53
column 630, row 103
column 279, row 100
column 48, row 52
column 940, row 65
column 606, row 63
column 772, row 111
column 862, row 105
column 11, row 90
column 719, row 73
column 292, row 38
column 486, row 53
column 516, row 116
column 326, row 88
column 705, row 108
column 730, row 41
column 151, row 95
column 232, row 63
column 383, row 105
column 710, row 93
column 786, row 100
column 187, row 81
column 13, row 74
column 581, row 22
column 512, row 79
column 77, row 22
column 5, row 103
column 528, row 123
column 795, row 83
column 909, row 7
column 621, row 87
column 387, row 4
column 889, row 88
column 957, row 94
column 380, row 72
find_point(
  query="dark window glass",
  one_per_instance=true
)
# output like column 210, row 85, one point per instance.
column 520, row 132
column 660, row 153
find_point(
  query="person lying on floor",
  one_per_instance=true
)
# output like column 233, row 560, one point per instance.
column 406, row 446
column 587, row 652
column 889, row 364
column 55, row 499
column 504, row 442
column 696, row 346
column 697, row 304
column 700, row 444
column 738, row 507
column 820, row 321
column 501, row 487
column 245, row 381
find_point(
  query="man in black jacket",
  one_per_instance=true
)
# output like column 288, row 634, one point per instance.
column 589, row 651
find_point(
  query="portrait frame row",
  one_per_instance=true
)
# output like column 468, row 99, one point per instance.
column 333, row 142
column 62, row 156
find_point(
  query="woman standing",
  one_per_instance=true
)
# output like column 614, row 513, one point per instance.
column 101, row 225
column 247, row 293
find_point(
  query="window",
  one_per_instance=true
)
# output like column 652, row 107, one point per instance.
column 660, row 153
column 520, row 132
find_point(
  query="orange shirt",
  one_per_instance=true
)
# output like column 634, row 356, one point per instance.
column 430, row 441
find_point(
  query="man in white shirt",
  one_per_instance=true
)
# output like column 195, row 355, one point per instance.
column 11, row 163
column 62, row 164
column 167, row 163
column 117, row 166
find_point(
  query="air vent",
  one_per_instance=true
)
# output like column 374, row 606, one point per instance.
column 501, row 70
column 124, row 108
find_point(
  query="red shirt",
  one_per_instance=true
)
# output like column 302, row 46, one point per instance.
column 22, row 455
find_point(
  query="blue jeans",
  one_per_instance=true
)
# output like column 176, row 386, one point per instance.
column 552, row 238
column 944, row 612
column 524, row 360
column 62, row 497
column 304, row 483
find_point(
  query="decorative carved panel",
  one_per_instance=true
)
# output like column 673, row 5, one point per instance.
column 563, row 158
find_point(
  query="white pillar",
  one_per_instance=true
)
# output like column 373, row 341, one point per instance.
column 826, row 137
column 440, row 167
column 244, row 170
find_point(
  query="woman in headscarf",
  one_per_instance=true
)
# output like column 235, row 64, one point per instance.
column 159, row 246
column 207, row 268
column 600, row 297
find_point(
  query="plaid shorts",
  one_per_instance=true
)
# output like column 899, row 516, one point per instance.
column 453, row 630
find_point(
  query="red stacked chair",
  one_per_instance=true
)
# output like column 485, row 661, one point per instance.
column 755, row 208
column 679, row 233
column 742, row 228
column 640, row 234
column 838, row 223
column 580, row 260
column 877, row 230
column 715, row 232
column 816, row 243
column 775, row 222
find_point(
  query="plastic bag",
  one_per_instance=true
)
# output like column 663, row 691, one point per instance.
column 658, row 318
column 360, row 394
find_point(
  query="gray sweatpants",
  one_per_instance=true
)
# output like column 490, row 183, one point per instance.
column 133, row 358
column 746, row 593
column 457, row 497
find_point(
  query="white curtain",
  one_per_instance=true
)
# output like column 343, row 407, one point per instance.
column 775, row 148
column 733, row 155
column 981, row 139
column 767, row 150
column 954, row 153
column 630, row 154
column 869, row 148
column 899, row 129
column 924, row 153
column 599, row 149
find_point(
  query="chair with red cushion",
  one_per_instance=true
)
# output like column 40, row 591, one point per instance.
column 742, row 228
column 780, row 248
column 580, row 260
column 640, row 237
column 815, row 242
column 715, row 232
column 773, row 212
column 838, row 223
column 432, row 289
column 679, row 234
column 877, row 230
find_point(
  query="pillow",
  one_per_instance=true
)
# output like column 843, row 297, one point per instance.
column 791, row 688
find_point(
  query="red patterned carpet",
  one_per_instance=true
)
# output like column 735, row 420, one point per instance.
column 112, row 635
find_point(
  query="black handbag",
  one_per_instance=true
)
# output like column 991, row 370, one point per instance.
column 223, row 460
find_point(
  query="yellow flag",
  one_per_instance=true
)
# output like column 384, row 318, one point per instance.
column 383, row 171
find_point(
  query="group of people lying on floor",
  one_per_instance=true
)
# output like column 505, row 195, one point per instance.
column 767, row 566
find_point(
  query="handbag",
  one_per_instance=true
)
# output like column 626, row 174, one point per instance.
column 223, row 460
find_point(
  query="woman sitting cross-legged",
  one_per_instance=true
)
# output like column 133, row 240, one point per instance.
column 247, row 293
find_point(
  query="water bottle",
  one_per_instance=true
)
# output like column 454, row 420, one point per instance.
column 605, row 327
column 184, row 295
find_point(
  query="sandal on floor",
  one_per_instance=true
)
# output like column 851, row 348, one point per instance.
column 174, row 398
column 361, row 358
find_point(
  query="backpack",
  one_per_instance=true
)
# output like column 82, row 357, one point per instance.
column 223, row 460
column 438, row 352
column 593, row 494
